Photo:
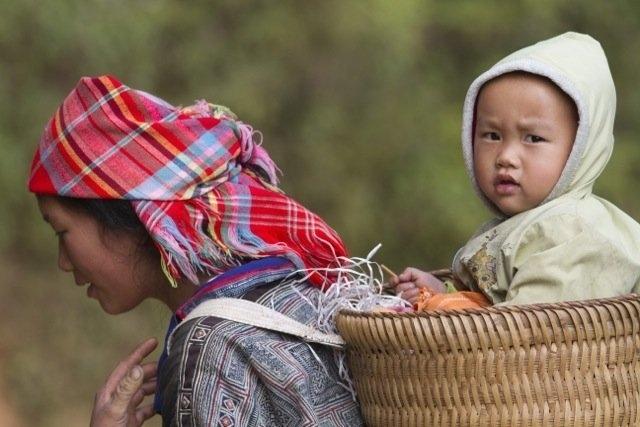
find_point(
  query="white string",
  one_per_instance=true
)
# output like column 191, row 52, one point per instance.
column 357, row 285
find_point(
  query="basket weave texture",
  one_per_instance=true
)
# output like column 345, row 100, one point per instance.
column 565, row 364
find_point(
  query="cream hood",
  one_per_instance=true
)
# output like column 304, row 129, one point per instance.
column 577, row 64
column 574, row 245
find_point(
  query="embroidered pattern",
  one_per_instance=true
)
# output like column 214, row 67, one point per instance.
column 482, row 265
column 233, row 374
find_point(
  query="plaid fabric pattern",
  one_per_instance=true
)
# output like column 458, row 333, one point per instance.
column 205, row 191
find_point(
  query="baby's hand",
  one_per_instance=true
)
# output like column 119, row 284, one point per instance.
column 407, row 285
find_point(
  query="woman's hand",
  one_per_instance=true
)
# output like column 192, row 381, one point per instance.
column 117, row 403
column 408, row 284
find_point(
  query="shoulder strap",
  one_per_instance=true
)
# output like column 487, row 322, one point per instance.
column 254, row 314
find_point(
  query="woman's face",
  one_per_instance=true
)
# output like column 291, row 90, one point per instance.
column 109, row 263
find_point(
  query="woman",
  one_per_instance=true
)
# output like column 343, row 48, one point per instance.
column 179, row 204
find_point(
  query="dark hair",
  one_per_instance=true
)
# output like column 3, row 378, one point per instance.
column 118, row 216
column 114, row 216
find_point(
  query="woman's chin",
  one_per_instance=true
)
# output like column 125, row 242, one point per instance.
column 110, row 308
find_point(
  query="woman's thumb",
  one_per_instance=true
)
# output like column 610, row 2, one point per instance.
column 127, row 387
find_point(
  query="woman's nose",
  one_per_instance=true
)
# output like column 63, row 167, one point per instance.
column 63, row 260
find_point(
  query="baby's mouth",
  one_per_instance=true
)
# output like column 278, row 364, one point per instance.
column 506, row 185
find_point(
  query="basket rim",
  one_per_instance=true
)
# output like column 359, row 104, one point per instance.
column 523, row 308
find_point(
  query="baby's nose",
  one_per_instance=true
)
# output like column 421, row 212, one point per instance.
column 507, row 157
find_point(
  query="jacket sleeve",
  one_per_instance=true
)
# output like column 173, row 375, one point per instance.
column 562, row 258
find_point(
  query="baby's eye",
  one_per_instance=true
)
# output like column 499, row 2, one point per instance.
column 534, row 138
column 493, row 136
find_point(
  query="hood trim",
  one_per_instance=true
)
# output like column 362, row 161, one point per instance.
column 560, row 79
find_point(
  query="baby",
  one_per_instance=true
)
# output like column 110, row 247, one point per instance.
column 537, row 131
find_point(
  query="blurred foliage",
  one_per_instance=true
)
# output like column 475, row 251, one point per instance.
column 359, row 103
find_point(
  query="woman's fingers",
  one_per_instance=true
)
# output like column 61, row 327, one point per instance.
column 135, row 358
column 150, row 370
column 125, row 390
column 144, row 413
column 136, row 399
column 149, row 388
column 128, row 384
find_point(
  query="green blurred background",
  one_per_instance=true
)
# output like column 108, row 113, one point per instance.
column 359, row 103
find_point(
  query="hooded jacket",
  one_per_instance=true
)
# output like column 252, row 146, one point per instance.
column 574, row 245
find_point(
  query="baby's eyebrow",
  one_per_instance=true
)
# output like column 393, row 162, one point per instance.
column 488, row 121
column 535, row 123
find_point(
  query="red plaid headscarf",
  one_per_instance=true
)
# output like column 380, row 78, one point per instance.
column 204, row 190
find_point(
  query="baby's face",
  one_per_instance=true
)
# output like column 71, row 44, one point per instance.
column 525, row 128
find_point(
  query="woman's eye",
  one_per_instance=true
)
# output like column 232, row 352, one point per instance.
column 535, row 138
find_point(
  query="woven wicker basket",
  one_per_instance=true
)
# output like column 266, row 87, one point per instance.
column 575, row 363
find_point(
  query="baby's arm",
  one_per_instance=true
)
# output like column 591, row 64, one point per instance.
column 562, row 258
column 407, row 285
